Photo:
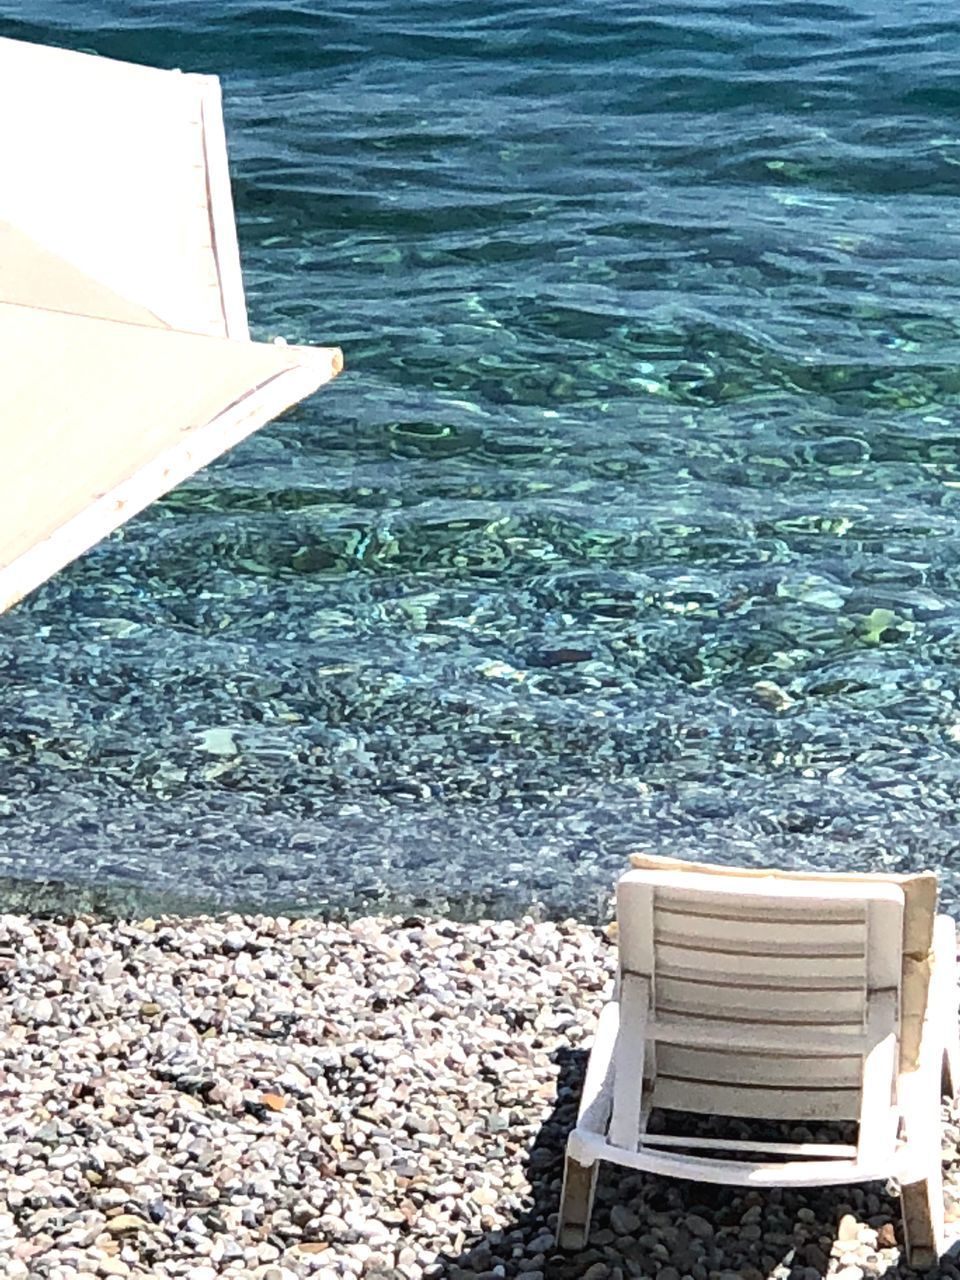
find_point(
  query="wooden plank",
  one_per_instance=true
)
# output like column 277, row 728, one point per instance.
column 635, row 926
column 629, row 1062
column 943, row 998
column 885, row 945
column 678, row 929
column 878, row 1115
column 703, row 998
column 635, row 944
column 596, row 1099
column 739, row 1173
column 731, row 1034
column 809, row 972
column 752, row 1102
column 819, row 1150
column 72, row 468
column 576, row 1203
column 731, row 1067
column 921, row 1204
column 743, row 905
column 861, row 885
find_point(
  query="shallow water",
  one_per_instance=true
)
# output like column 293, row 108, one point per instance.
column 634, row 521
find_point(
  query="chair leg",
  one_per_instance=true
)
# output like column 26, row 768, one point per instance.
column 950, row 1073
column 946, row 977
column 950, row 1067
column 576, row 1203
column 922, row 1206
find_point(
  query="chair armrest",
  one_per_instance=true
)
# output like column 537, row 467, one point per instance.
column 597, row 1098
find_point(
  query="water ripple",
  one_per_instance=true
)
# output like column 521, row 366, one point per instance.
column 632, row 523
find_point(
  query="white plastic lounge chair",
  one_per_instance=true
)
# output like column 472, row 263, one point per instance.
column 127, row 362
column 777, row 996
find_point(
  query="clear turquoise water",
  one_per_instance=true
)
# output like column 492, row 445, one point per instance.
column 634, row 521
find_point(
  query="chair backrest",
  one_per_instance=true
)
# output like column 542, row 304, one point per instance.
column 761, row 995
column 920, row 906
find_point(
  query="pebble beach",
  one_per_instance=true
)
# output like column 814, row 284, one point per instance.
column 274, row 1098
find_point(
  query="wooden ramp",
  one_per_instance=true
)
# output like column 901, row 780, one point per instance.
column 126, row 359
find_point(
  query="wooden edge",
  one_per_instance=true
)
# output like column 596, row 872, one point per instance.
column 921, row 1204
column 769, row 886
column 198, row 448
column 597, row 1096
column 576, row 1204
column 587, row 1148
column 223, row 227
column 658, row 862
column 762, row 1037
column 931, row 1028
column 877, row 1140
column 817, row 1150
column 629, row 1058
column 635, row 923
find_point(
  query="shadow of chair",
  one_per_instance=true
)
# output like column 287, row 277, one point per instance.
column 647, row 1226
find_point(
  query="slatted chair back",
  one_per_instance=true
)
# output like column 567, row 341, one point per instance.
column 920, row 907
column 755, row 997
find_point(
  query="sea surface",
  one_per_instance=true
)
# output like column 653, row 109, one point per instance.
column 634, row 521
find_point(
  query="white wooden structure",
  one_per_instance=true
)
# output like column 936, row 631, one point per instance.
column 127, row 362
column 780, row 997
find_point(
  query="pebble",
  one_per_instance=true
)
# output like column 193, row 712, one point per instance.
column 698, row 1226
column 848, row 1228
column 887, row 1236
column 376, row 1100
column 125, row 1222
column 623, row 1220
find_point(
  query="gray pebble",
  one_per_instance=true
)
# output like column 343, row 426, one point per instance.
column 314, row 1117
column 623, row 1220
column 698, row 1226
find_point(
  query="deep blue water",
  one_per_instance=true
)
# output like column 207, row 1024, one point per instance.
column 635, row 521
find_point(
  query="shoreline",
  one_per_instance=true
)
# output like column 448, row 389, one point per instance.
column 50, row 899
column 265, row 1097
